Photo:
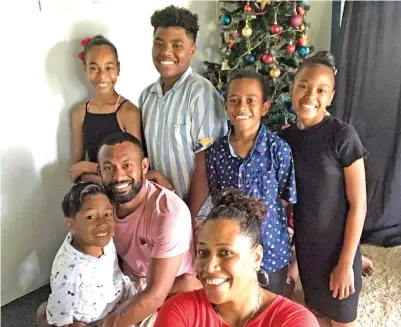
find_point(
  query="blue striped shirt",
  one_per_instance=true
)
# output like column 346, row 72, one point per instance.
column 182, row 122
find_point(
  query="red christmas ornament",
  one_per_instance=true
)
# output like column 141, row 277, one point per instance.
column 301, row 40
column 247, row 8
column 290, row 48
column 275, row 29
column 231, row 43
column 300, row 10
column 296, row 21
column 268, row 59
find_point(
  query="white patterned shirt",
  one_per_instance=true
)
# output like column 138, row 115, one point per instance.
column 85, row 288
column 182, row 122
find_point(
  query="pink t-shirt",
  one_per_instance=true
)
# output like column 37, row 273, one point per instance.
column 193, row 309
column 159, row 228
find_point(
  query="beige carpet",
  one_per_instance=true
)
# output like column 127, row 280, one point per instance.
column 380, row 299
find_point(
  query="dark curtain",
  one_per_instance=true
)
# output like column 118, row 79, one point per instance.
column 368, row 95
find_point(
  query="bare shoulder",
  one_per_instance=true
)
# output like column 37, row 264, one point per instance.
column 129, row 108
column 78, row 112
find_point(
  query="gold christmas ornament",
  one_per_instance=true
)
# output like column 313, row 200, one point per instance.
column 263, row 3
column 225, row 65
column 247, row 31
column 302, row 27
column 275, row 72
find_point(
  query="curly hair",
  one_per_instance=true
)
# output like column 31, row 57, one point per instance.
column 249, row 74
column 74, row 198
column 173, row 16
column 248, row 211
column 100, row 40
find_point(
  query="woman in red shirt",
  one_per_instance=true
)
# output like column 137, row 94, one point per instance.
column 229, row 253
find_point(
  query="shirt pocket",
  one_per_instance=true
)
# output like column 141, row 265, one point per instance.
column 182, row 137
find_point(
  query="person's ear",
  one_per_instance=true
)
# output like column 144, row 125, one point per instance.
column 145, row 165
column 266, row 107
column 70, row 224
column 193, row 50
column 258, row 256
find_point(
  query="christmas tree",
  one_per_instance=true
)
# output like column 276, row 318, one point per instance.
column 269, row 37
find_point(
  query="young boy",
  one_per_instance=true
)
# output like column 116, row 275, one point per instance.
column 256, row 161
column 86, row 281
column 182, row 113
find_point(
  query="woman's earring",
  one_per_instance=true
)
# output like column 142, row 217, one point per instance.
column 262, row 277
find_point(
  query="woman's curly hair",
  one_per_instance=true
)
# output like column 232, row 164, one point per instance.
column 248, row 211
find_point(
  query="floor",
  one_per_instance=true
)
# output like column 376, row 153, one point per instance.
column 21, row 312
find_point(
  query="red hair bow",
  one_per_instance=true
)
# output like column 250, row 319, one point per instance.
column 84, row 42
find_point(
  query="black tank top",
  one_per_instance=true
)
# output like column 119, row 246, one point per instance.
column 96, row 127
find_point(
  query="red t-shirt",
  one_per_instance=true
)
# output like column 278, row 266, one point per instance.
column 193, row 309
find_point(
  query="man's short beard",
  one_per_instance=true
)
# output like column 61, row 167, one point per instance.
column 125, row 198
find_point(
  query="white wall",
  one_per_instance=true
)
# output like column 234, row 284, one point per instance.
column 44, row 81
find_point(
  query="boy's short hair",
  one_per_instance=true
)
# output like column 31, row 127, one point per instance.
column 72, row 201
column 250, row 74
column 173, row 16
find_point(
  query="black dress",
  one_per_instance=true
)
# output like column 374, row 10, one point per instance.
column 320, row 155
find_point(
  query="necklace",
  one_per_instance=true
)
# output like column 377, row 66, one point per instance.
column 251, row 316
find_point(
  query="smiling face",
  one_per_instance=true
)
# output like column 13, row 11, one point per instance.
column 172, row 52
column 312, row 92
column 245, row 106
column 93, row 225
column 102, row 68
column 122, row 168
column 225, row 262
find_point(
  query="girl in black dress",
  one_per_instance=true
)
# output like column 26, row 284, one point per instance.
column 331, row 186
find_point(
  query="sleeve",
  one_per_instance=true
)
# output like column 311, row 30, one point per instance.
column 212, row 177
column 349, row 147
column 286, row 174
column 178, row 311
column 62, row 304
column 292, row 314
column 209, row 121
column 171, row 232
column 141, row 99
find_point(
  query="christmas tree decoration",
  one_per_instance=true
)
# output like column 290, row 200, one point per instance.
column 290, row 48
column 296, row 21
column 275, row 29
column 247, row 31
column 270, row 38
column 225, row 20
column 300, row 10
column 263, row 3
column 268, row 59
column 247, row 8
column 275, row 72
column 250, row 58
column 302, row 40
column 303, row 51
column 225, row 65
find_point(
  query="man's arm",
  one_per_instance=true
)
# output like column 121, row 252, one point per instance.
column 161, row 275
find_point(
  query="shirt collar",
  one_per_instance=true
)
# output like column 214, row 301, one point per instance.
column 157, row 87
column 71, row 250
column 260, row 144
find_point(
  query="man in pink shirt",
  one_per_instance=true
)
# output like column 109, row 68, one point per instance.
column 153, row 234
